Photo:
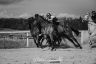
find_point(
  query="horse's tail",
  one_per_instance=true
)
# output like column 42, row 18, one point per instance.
column 75, row 31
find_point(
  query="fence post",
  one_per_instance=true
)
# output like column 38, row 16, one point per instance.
column 27, row 40
column 82, row 35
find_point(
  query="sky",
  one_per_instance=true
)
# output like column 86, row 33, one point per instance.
column 20, row 8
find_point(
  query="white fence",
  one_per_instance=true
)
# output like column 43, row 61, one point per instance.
column 84, row 35
column 13, row 32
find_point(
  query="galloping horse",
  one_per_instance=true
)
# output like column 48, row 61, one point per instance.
column 34, row 30
column 47, row 30
column 39, row 27
column 58, row 31
column 66, row 32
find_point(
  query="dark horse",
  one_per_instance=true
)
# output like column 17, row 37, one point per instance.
column 34, row 30
column 35, row 26
column 64, row 30
column 46, row 29
column 55, row 32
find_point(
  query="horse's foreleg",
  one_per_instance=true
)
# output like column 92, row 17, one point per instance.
column 35, row 42
column 52, row 42
column 40, row 40
column 59, row 41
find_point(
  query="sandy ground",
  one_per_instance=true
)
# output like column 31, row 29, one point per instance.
column 45, row 56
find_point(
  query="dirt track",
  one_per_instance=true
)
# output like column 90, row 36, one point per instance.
column 39, row 56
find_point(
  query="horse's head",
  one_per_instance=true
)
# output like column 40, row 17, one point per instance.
column 30, row 21
column 37, row 17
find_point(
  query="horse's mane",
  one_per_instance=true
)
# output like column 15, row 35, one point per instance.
column 42, row 18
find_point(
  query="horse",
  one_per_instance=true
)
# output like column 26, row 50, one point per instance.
column 65, row 30
column 46, row 29
column 34, row 30
column 59, row 32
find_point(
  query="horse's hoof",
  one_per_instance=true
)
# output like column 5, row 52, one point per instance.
column 42, row 47
column 52, row 49
column 55, row 49
column 80, row 47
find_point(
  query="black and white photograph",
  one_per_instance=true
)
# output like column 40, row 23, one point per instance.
column 47, row 31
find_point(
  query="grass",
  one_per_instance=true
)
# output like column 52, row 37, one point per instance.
column 11, row 44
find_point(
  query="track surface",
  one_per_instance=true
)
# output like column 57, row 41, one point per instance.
column 45, row 56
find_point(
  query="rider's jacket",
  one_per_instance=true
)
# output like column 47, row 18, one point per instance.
column 50, row 19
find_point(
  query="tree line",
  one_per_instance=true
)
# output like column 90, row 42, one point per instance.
column 14, row 23
column 22, row 24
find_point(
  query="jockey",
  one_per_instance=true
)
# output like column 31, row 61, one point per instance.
column 49, row 17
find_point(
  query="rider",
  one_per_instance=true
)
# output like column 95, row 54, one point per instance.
column 49, row 17
column 53, row 20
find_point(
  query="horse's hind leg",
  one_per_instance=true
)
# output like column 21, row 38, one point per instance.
column 40, row 40
column 68, row 37
column 77, row 43
column 71, row 40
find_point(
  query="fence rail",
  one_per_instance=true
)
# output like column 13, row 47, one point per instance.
column 23, row 31
column 27, row 34
column 27, row 31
